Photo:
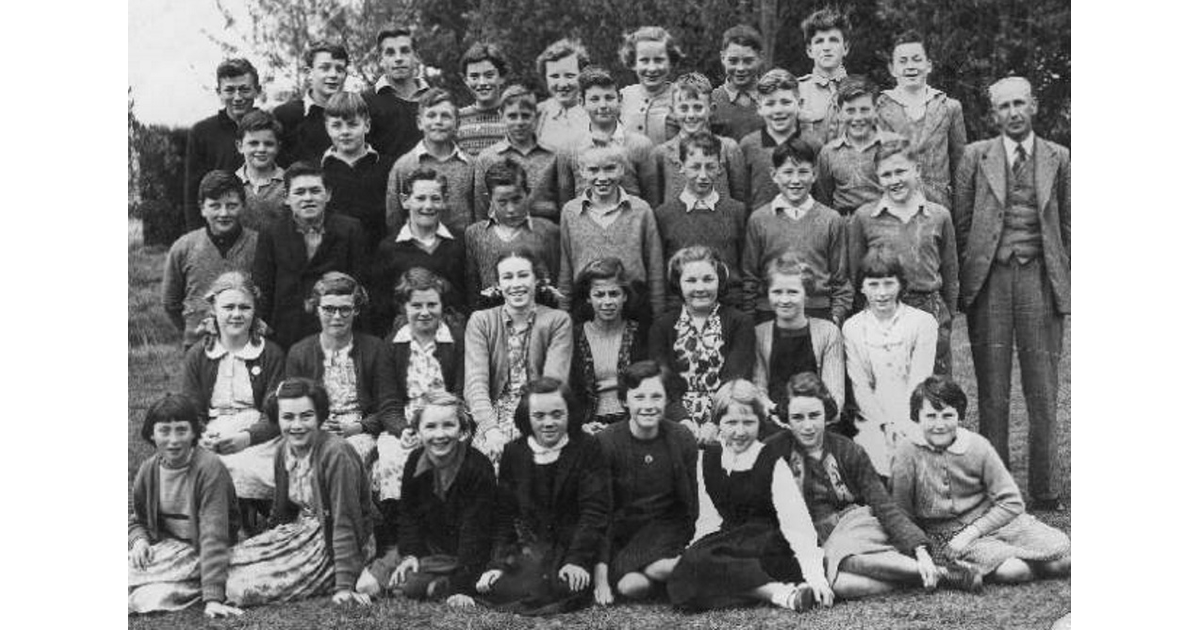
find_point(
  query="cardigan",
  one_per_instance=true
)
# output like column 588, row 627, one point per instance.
column 210, row 146
column 450, row 359
column 342, row 499
column 862, row 481
column 192, row 264
column 827, row 346
column 583, row 373
column 738, row 349
column 213, row 522
column 486, row 353
column 578, row 516
column 377, row 384
column 459, row 525
column 285, row 275
column 616, row 442
column 200, row 375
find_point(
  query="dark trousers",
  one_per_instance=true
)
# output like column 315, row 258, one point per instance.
column 1016, row 302
column 931, row 302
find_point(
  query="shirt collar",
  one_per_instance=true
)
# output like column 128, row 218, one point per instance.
column 930, row 94
column 527, row 223
column 957, row 447
column 446, row 473
column 733, row 92
column 768, row 140
column 843, row 142
column 824, row 81
column 506, row 317
column 689, row 199
column 504, row 145
column 1010, row 147
column 544, row 454
column 404, row 335
column 309, row 103
column 780, row 204
column 423, row 150
column 622, row 199
column 407, row 235
column 555, row 110
column 305, row 228
column 886, row 204
column 249, row 352
column 383, row 84
column 618, row 136
column 243, row 174
column 331, row 153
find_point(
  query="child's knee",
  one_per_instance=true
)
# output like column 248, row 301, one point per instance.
column 633, row 585
column 1013, row 571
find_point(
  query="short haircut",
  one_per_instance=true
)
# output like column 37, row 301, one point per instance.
column 796, row 150
column 418, row 279
column 507, row 172
column 743, row 392
column 347, row 105
column 298, row 387
column 236, row 67
column 632, row 376
column 436, row 96
column 900, row 146
column 422, row 173
column 696, row 253
column 391, row 31
column 520, row 95
column 881, row 262
column 628, row 50
column 217, row 184
column 1022, row 81
column 258, row 120
column 484, row 51
column 302, row 169
column 562, row 49
column 826, row 19
column 907, row 37
column 691, row 85
column 335, row 283
column 789, row 263
column 941, row 392
column 337, row 51
column 173, row 408
column 808, row 385
column 595, row 76
column 742, row 35
column 704, row 142
column 607, row 268
column 600, row 155
column 547, row 385
column 856, row 86
column 442, row 398
column 776, row 79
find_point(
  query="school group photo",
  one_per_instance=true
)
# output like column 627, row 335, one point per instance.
column 683, row 313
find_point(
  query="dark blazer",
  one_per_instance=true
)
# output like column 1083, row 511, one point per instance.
column 377, row 395
column 450, row 358
column 738, row 350
column 200, row 375
column 980, row 190
column 342, row 500
column 285, row 276
column 577, row 519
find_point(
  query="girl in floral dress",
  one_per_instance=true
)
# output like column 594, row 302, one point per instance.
column 704, row 343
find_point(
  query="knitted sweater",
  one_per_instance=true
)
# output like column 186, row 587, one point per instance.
column 734, row 121
column 393, row 122
column 541, row 168
column 377, row 397
column 757, row 148
column 304, row 136
column 359, row 191
column 192, row 264
column 483, row 245
column 479, row 129
column 199, row 376
column 723, row 229
column 632, row 237
column 459, row 171
column 210, row 146
column 213, row 522
column 393, row 258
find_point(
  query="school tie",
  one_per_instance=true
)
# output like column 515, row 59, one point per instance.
column 1020, row 160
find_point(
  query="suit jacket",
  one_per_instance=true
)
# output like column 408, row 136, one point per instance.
column 377, row 396
column 285, row 275
column 980, row 190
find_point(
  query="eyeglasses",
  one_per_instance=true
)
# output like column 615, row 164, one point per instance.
column 344, row 311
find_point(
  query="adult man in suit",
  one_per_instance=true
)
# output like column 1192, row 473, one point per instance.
column 1012, row 219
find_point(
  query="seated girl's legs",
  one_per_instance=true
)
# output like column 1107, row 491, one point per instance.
column 1053, row 568
column 886, row 566
column 1012, row 571
column 660, row 570
column 848, row 585
column 638, row 584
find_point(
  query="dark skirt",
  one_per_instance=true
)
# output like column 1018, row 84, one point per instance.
column 639, row 543
column 530, row 586
column 720, row 568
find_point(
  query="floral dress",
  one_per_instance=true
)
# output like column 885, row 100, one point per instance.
column 230, row 410
column 289, row 561
column 518, row 374
column 341, row 381
column 700, row 351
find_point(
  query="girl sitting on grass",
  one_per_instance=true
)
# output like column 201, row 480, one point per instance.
column 184, row 516
column 953, row 484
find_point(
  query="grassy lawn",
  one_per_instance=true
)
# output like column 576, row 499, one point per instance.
column 154, row 364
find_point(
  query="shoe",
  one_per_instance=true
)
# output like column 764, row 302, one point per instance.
column 802, row 598
column 962, row 577
column 438, row 589
column 1047, row 505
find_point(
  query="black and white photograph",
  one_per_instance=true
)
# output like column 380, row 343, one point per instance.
column 607, row 314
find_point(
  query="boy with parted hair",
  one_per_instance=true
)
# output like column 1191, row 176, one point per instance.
column 393, row 99
column 827, row 41
column 258, row 137
column 518, row 106
column 438, row 150
column 197, row 258
column 735, row 102
column 303, row 119
column 211, row 142
column 846, row 166
column 480, row 125
column 691, row 108
column 356, row 173
column 779, row 108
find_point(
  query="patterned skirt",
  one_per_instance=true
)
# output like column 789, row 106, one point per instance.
column 388, row 471
column 363, row 443
column 281, row 564
column 719, row 569
column 1025, row 538
column 252, row 468
column 856, row 533
column 171, row 581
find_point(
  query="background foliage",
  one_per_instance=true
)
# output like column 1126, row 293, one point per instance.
column 972, row 43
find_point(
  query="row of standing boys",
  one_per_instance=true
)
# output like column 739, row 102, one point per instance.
column 664, row 238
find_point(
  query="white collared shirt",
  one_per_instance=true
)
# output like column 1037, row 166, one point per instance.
column 793, row 212
column 332, row 153
column 421, row 151
column 404, row 335
column 905, row 214
column 689, row 199
column 1010, row 148
column 406, row 234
